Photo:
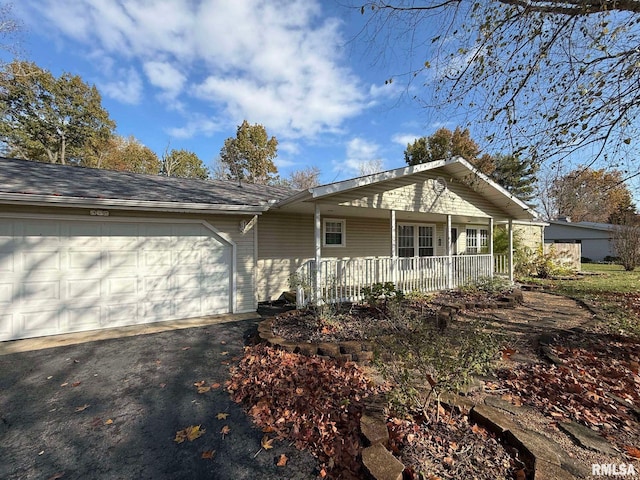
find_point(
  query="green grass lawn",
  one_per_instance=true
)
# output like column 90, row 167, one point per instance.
column 607, row 286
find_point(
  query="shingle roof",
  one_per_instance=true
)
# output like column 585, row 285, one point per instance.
column 36, row 178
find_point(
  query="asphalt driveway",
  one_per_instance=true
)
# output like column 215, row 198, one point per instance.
column 110, row 409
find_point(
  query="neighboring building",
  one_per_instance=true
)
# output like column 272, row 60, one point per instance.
column 594, row 238
column 84, row 249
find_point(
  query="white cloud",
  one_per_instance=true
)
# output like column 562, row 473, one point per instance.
column 360, row 154
column 404, row 138
column 126, row 89
column 279, row 63
column 166, row 77
column 197, row 125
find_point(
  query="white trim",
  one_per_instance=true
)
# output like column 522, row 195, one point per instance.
column 223, row 237
column 343, row 229
column 120, row 204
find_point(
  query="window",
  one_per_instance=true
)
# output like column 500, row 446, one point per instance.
column 477, row 240
column 412, row 236
column 334, row 233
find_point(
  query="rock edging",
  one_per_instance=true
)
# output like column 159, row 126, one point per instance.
column 360, row 351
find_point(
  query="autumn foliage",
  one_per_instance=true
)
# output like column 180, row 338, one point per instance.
column 313, row 402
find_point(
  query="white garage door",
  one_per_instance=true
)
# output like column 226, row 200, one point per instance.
column 60, row 276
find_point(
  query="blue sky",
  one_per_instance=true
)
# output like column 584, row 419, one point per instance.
column 185, row 73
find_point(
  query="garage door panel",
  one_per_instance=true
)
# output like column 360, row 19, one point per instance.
column 157, row 284
column 41, row 261
column 83, row 318
column 40, row 322
column 127, row 259
column 6, row 294
column 157, row 258
column 6, row 325
column 83, row 288
column 84, row 260
column 121, row 286
column 75, row 275
column 121, row 314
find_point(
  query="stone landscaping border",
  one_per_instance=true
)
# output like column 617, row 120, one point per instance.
column 539, row 453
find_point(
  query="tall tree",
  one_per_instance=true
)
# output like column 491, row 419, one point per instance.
column 547, row 77
column 183, row 163
column 126, row 155
column 516, row 175
column 46, row 118
column 305, row 178
column 590, row 195
column 9, row 27
column 442, row 145
column 249, row 155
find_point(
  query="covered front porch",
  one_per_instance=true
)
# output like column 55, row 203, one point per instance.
column 411, row 265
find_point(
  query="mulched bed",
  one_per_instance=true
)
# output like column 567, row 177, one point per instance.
column 597, row 384
column 450, row 447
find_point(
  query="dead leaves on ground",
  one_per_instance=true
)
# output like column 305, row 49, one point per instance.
column 597, row 385
column 190, row 433
column 315, row 403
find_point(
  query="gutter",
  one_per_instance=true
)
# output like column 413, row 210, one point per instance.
column 118, row 204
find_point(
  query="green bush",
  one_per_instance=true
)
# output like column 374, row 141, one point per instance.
column 422, row 361
column 380, row 293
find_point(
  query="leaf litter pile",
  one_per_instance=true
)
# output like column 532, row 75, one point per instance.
column 597, row 384
column 448, row 446
column 312, row 402
column 317, row 404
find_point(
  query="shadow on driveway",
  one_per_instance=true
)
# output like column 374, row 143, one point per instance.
column 56, row 404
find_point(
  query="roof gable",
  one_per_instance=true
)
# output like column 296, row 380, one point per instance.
column 420, row 187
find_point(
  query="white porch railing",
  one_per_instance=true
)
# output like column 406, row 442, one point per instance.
column 501, row 264
column 343, row 279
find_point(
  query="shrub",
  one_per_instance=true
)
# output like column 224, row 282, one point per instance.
column 380, row 293
column 423, row 361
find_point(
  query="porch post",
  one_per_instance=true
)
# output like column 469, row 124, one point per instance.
column 510, row 256
column 393, row 247
column 318, row 255
column 490, row 240
column 449, row 253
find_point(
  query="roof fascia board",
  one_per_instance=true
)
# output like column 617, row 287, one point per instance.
column 345, row 185
column 493, row 184
column 118, row 204
column 577, row 225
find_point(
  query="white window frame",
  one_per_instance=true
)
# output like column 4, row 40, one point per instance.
column 481, row 241
column 416, row 238
column 343, row 232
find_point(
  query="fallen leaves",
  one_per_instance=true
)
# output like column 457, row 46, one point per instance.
column 222, row 416
column 266, row 442
column 595, row 385
column 225, row 430
column 82, row 408
column 313, row 402
column 632, row 451
column 190, row 433
column 282, row 460
column 208, row 454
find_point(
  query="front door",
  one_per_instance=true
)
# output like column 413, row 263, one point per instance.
column 454, row 241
